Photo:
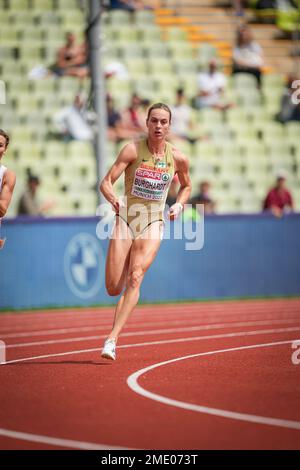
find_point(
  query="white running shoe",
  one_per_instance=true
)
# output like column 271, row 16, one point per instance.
column 109, row 349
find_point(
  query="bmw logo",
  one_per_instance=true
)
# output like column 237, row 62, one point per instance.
column 83, row 261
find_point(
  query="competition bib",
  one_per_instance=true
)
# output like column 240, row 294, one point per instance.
column 150, row 183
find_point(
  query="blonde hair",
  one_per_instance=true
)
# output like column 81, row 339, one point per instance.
column 159, row 106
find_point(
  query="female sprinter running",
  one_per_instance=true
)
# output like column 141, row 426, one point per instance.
column 7, row 182
column 149, row 166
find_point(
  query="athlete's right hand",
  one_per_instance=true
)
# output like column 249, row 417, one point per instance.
column 117, row 204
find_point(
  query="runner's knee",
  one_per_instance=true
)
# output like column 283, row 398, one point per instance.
column 113, row 289
column 136, row 275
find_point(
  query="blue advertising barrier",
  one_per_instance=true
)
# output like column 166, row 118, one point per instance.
column 61, row 262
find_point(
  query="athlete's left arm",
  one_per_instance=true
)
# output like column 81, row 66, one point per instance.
column 6, row 193
column 182, row 170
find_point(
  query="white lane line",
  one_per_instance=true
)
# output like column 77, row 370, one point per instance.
column 139, row 322
column 44, row 314
column 155, row 310
column 94, row 327
column 132, row 382
column 99, row 328
column 141, row 310
column 41, row 327
column 96, row 322
column 159, row 342
column 67, row 312
column 53, row 441
column 153, row 332
column 138, row 319
column 61, row 331
column 135, row 322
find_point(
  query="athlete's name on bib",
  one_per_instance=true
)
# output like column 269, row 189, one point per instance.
column 149, row 185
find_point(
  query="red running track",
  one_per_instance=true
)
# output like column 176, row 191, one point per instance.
column 215, row 375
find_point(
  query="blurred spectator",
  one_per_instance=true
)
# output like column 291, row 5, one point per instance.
column 247, row 55
column 75, row 121
column 284, row 5
column 133, row 118
column 211, row 86
column 28, row 203
column 289, row 111
column 116, row 70
column 279, row 200
column 115, row 130
column 266, row 4
column 128, row 5
column 113, row 120
column 238, row 6
column 203, row 197
column 145, row 105
column 72, row 59
column 182, row 119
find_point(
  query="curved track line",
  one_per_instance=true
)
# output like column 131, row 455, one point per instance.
column 154, row 343
column 53, row 441
column 212, row 326
column 132, row 382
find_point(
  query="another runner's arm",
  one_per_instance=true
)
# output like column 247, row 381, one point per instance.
column 9, row 182
column 182, row 170
column 127, row 155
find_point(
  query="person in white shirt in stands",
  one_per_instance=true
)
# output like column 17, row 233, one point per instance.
column 75, row 121
column 211, row 85
column 247, row 55
column 7, row 182
column 182, row 127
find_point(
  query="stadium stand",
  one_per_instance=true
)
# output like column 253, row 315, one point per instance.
column 161, row 50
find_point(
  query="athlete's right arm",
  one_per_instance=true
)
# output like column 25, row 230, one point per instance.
column 127, row 155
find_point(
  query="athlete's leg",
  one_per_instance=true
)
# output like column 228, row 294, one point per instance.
column 142, row 254
column 117, row 261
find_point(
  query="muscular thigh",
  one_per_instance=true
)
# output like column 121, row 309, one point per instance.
column 118, row 253
column 145, row 248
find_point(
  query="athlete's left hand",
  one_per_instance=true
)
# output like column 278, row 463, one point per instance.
column 175, row 211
